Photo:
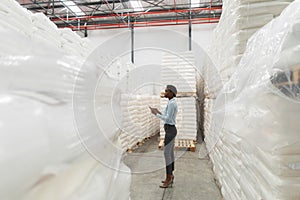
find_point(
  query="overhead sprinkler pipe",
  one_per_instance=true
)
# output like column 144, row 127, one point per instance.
column 148, row 24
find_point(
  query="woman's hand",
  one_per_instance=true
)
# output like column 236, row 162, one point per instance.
column 154, row 110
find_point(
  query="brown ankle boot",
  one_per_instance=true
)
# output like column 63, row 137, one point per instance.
column 171, row 180
column 168, row 182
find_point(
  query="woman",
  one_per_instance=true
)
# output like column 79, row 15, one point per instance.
column 169, row 117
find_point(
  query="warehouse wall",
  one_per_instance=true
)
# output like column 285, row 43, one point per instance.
column 201, row 34
column 150, row 45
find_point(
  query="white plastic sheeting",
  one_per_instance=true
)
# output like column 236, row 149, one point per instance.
column 239, row 20
column 74, row 44
column 35, row 29
column 41, row 137
column 45, row 29
column 58, row 138
column 254, row 137
column 15, row 16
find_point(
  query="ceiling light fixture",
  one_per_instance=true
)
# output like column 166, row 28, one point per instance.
column 195, row 3
column 73, row 7
column 136, row 5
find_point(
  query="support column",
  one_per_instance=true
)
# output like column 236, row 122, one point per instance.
column 190, row 27
column 132, row 43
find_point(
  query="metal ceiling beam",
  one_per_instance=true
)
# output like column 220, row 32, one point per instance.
column 156, row 14
column 148, row 24
column 152, row 12
column 157, row 4
column 57, row 4
column 157, row 19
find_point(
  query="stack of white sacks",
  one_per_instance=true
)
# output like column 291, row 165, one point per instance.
column 138, row 123
column 51, row 144
column 37, row 28
column 180, row 71
column 14, row 16
column 46, row 30
column 74, row 44
column 256, row 145
column 239, row 20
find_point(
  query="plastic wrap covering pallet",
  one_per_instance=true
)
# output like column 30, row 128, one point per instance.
column 45, row 29
column 36, row 107
column 253, row 139
column 207, row 116
column 58, row 135
column 14, row 16
column 188, row 145
column 239, row 20
column 138, row 124
column 72, row 43
column 15, row 21
column 38, row 29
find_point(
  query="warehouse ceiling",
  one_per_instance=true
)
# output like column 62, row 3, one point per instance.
column 105, row 14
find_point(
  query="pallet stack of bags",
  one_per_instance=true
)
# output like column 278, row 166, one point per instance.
column 15, row 16
column 51, row 145
column 15, row 21
column 128, row 122
column 149, row 124
column 240, row 19
column 86, row 47
column 45, row 29
column 255, row 150
column 38, row 28
column 137, row 122
column 72, row 43
column 180, row 71
column 65, row 39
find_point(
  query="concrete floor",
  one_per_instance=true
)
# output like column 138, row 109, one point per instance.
column 194, row 177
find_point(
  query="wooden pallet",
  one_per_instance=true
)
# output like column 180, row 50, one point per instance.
column 181, row 144
column 135, row 146
column 138, row 144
